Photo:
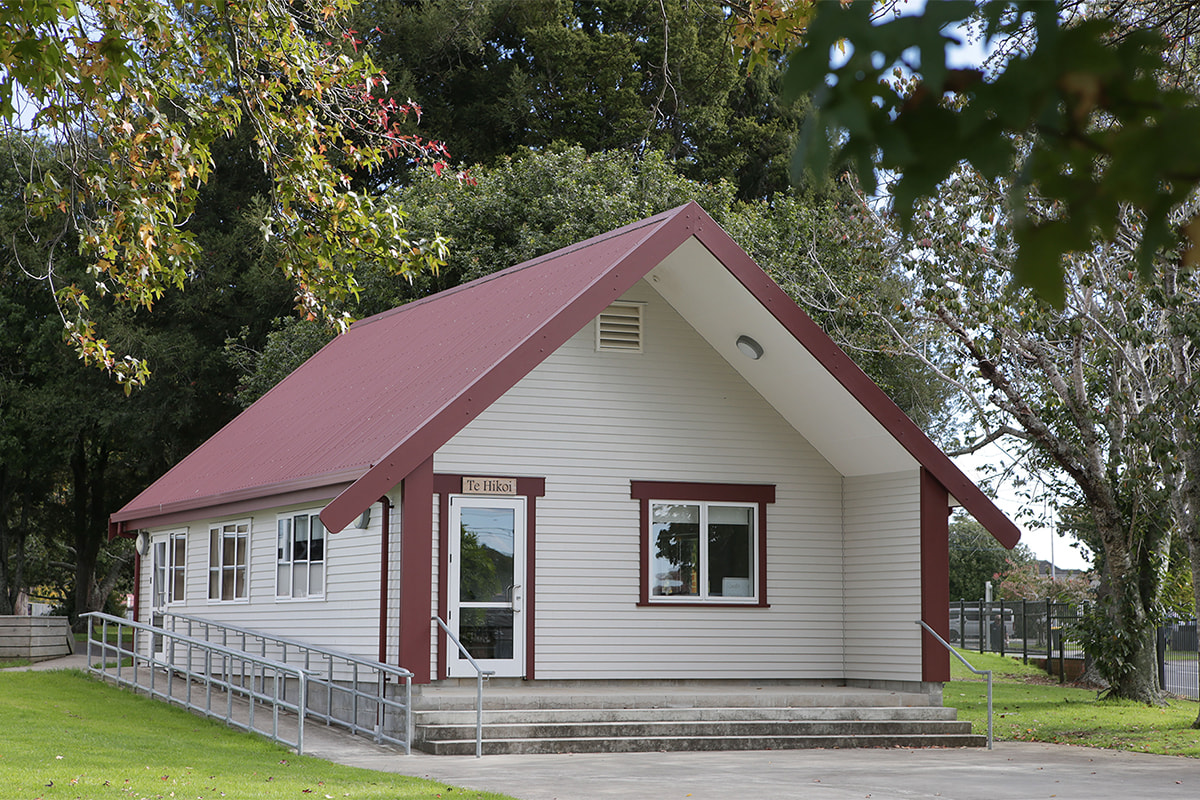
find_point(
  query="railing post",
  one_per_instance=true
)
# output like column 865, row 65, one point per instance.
column 987, row 673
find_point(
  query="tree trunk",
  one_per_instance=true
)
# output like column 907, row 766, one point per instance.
column 89, row 523
column 1194, row 552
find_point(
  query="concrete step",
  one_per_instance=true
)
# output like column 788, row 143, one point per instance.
column 543, row 698
column 687, row 730
column 723, row 713
column 696, row 743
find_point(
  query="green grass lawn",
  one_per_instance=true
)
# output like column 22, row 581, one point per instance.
column 65, row 735
column 1029, row 705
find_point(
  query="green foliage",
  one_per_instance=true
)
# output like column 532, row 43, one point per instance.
column 289, row 344
column 976, row 558
column 1113, row 648
column 1081, row 113
column 498, row 77
column 132, row 98
column 1024, row 582
column 80, row 738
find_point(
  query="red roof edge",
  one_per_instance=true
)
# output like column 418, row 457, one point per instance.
column 663, row 233
column 855, row 381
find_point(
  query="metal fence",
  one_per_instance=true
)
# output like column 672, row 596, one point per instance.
column 1043, row 632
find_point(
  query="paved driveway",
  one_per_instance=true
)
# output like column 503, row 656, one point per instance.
column 1012, row 771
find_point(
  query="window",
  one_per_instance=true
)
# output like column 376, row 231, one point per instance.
column 300, row 556
column 169, row 564
column 227, row 560
column 703, row 543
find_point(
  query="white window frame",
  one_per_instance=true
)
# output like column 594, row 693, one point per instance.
column 176, row 546
column 703, row 595
column 285, row 557
column 238, row 530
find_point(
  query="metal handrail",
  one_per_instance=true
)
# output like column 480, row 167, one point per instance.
column 985, row 672
column 480, row 673
column 222, row 678
column 327, row 656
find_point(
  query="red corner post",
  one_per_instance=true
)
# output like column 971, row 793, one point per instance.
column 416, row 571
column 935, row 577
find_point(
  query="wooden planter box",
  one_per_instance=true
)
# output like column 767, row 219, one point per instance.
column 35, row 638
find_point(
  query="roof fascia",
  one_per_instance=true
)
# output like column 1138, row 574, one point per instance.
column 242, row 501
column 658, row 241
column 856, row 382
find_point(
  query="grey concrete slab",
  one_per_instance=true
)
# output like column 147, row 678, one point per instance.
column 1012, row 771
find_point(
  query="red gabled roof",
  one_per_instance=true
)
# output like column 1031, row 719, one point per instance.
column 383, row 397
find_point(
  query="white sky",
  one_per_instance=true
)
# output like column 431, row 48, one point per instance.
column 1044, row 542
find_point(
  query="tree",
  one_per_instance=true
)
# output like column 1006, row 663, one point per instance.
column 498, row 77
column 1074, row 387
column 976, row 558
column 72, row 445
column 126, row 101
column 1079, row 104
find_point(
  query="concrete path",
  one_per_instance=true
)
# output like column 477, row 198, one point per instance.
column 1012, row 771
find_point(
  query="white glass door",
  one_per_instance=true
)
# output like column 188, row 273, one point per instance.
column 486, row 592
column 159, row 553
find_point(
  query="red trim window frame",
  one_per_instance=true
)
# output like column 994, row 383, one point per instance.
column 757, row 494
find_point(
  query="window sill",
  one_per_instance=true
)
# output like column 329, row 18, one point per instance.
column 699, row 604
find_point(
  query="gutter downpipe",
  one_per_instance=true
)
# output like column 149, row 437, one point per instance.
column 384, row 534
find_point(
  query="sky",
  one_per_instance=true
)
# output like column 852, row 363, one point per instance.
column 1044, row 542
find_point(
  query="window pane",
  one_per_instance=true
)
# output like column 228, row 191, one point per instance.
column 675, row 546
column 179, row 550
column 214, row 547
column 487, row 632
column 241, row 551
column 177, row 587
column 316, row 540
column 229, row 551
column 300, row 581
column 227, row 584
column 214, row 584
column 240, row 582
column 283, row 547
column 283, row 580
column 300, row 538
column 730, row 551
column 316, row 580
column 486, row 549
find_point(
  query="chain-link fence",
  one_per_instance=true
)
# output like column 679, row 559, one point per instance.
column 1043, row 632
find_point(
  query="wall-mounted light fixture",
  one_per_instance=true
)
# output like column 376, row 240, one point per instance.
column 749, row 347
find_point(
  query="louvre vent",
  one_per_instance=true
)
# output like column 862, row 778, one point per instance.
column 619, row 328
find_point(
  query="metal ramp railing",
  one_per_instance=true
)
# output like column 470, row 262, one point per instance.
column 262, row 669
column 215, row 681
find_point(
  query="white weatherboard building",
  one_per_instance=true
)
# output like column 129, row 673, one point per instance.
column 634, row 460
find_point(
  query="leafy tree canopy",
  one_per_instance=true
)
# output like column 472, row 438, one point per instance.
column 125, row 102
column 499, row 76
column 1079, row 106
column 976, row 558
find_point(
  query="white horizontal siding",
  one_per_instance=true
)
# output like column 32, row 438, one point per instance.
column 590, row 422
column 883, row 577
column 346, row 618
